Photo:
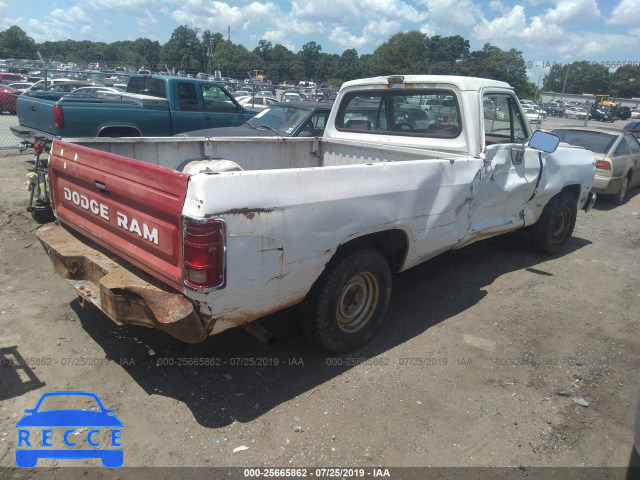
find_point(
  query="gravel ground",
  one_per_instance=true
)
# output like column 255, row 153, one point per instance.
column 489, row 356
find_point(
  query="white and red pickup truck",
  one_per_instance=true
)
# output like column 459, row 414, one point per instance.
column 194, row 236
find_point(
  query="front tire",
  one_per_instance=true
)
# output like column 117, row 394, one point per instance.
column 554, row 227
column 348, row 302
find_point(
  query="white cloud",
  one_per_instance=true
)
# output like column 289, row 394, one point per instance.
column 625, row 13
column 374, row 33
column 498, row 6
column 513, row 28
column 572, row 12
column 592, row 48
column 452, row 17
column 352, row 11
column 73, row 14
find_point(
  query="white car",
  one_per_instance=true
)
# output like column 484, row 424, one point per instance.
column 576, row 112
column 291, row 97
column 257, row 103
column 635, row 113
column 532, row 115
column 265, row 93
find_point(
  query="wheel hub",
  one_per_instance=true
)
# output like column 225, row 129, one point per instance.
column 357, row 302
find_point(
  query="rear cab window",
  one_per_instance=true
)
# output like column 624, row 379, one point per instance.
column 147, row 86
column 421, row 113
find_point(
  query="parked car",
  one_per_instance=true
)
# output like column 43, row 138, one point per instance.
column 576, row 113
column 152, row 106
column 266, row 94
column 601, row 114
column 291, row 97
column 633, row 127
column 20, row 86
column 230, row 230
column 624, row 113
column 8, row 99
column 532, row 115
column 57, row 85
column 617, row 156
column 290, row 119
column 553, row 109
column 257, row 103
column 7, row 78
column 635, row 113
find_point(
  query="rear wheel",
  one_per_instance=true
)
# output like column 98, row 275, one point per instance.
column 621, row 197
column 349, row 301
column 43, row 216
column 554, row 227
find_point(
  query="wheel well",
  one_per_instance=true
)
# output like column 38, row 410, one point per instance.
column 392, row 244
column 119, row 132
column 573, row 190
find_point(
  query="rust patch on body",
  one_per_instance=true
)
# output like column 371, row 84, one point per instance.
column 247, row 212
column 123, row 295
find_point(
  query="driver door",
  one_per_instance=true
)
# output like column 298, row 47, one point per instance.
column 504, row 185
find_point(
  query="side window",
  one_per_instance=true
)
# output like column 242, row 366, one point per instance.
column 187, row 98
column 316, row 123
column 216, row 100
column 633, row 144
column 621, row 149
column 503, row 122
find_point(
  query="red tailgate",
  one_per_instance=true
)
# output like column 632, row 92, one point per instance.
column 131, row 208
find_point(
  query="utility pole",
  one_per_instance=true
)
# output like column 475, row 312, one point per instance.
column 210, row 55
column 565, row 78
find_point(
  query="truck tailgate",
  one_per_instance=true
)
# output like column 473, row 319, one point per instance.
column 129, row 207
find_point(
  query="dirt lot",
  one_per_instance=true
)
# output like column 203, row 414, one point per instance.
column 480, row 362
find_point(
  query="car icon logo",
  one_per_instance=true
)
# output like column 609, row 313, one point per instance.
column 69, row 433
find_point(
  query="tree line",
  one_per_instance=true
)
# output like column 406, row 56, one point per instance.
column 412, row 52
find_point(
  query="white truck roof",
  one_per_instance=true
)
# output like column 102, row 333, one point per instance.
column 462, row 83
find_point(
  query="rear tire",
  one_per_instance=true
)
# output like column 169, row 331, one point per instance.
column 622, row 196
column 43, row 216
column 348, row 302
column 554, row 227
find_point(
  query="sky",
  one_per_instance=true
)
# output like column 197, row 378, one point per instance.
column 546, row 31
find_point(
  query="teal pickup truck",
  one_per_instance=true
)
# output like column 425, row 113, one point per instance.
column 152, row 106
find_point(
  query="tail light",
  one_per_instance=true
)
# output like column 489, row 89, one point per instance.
column 203, row 253
column 58, row 119
column 603, row 165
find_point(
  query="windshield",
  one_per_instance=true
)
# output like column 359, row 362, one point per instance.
column 597, row 142
column 281, row 118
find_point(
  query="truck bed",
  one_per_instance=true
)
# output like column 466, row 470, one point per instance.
column 257, row 154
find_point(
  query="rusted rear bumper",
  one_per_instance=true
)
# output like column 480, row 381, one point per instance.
column 124, row 296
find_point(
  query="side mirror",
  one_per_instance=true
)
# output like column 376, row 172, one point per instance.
column 544, row 141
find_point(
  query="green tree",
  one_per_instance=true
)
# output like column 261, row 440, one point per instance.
column 15, row 43
column 578, row 77
column 625, row 82
column 309, row 55
column 350, row 67
column 183, row 50
column 403, row 53
column 505, row 65
column 445, row 54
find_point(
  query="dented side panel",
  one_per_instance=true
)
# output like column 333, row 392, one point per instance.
column 292, row 221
